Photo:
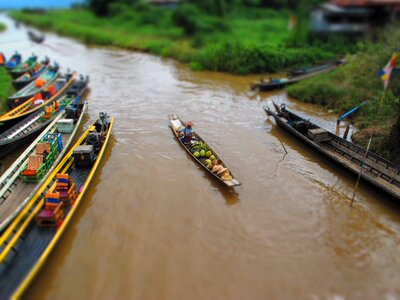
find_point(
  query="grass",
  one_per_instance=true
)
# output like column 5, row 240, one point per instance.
column 355, row 82
column 246, row 41
column 6, row 90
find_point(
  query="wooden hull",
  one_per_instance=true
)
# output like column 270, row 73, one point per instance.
column 36, row 38
column 23, row 80
column 17, row 72
column 175, row 124
column 13, row 62
column 22, row 111
column 34, row 248
column 30, row 90
column 378, row 171
column 269, row 86
column 9, row 145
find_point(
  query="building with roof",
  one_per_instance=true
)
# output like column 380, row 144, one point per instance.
column 166, row 3
column 354, row 17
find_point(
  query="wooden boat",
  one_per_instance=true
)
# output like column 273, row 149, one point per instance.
column 49, row 76
column 24, row 67
column 17, row 186
column 31, row 75
column 36, row 37
column 296, row 76
column 375, row 169
column 60, row 86
column 29, row 127
column 176, row 126
column 26, row 245
column 13, row 62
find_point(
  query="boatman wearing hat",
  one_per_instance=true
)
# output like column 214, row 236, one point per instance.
column 187, row 132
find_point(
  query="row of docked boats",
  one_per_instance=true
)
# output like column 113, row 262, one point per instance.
column 42, row 189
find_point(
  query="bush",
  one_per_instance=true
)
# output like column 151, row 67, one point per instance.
column 186, row 17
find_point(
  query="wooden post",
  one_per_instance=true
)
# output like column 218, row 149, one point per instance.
column 359, row 174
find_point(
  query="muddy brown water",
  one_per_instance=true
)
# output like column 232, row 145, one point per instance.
column 154, row 225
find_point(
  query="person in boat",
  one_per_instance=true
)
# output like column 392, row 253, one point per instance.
column 187, row 132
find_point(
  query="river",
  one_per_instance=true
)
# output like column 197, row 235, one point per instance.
column 154, row 225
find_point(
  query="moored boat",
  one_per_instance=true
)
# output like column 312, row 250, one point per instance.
column 57, row 89
column 215, row 166
column 27, row 243
column 31, row 75
column 16, row 185
column 24, row 67
column 36, row 37
column 382, row 173
column 295, row 76
column 46, row 79
column 29, row 127
column 13, row 62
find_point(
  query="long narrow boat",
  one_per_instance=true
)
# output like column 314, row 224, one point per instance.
column 36, row 37
column 12, row 117
column 24, row 67
column 13, row 62
column 26, row 245
column 18, row 186
column 221, row 172
column 31, row 89
column 296, row 76
column 31, row 75
column 28, row 128
column 375, row 169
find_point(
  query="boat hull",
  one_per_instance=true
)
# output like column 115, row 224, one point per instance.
column 7, row 123
column 15, row 74
column 21, row 96
column 7, row 147
column 228, row 183
column 21, row 83
column 329, row 148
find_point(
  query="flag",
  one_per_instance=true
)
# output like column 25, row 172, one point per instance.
column 387, row 71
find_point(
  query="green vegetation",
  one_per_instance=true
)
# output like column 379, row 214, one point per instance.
column 2, row 27
column 244, row 40
column 6, row 89
column 355, row 82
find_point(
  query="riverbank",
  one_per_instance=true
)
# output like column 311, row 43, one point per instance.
column 246, row 41
column 359, row 81
column 6, row 89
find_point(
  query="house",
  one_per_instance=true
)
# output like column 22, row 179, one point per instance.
column 354, row 17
